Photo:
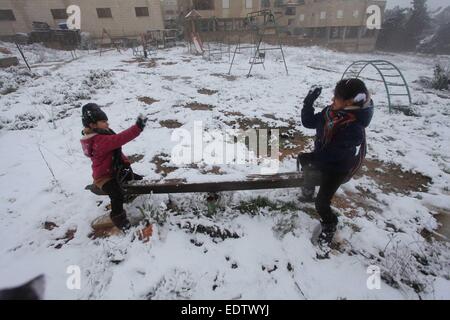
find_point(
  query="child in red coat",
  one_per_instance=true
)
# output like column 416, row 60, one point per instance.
column 110, row 166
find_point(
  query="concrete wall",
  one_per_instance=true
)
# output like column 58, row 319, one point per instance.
column 123, row 23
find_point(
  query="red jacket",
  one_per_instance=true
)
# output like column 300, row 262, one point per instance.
column 100, row 147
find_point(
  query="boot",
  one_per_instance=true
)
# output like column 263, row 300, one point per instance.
column 121, row 221
column 307, row 195
column 137, row 177
column 327, row 234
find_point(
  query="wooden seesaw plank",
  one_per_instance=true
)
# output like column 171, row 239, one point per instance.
column 252, row 182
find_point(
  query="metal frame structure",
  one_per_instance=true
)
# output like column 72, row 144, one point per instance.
column 261, row 30
column 391, row 75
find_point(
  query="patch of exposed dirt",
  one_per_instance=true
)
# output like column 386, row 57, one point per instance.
column 171, row 124
column 170, row 63
column 207, row 91
column 225, row 76
column 148, row 64
column 170, row 78
column 5, row 50
column 70, row 234
column 49, row 225
column 186, row 60
column 271, row 116
column 135, row 158
column 134, row 60
column 292, row 141
column 199, row 106
column 232, row 113
column 391, row 179
column 119, row 70
column 147, row 100
column 161, row 161
column 248, row 123
column 351, row 202
column 214, row 170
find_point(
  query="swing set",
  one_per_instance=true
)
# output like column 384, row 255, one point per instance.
column 261, row 24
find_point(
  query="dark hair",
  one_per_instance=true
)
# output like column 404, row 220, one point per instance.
column 347, row 89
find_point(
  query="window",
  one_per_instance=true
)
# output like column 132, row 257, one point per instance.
column 141, row 11
column 323, row 15
column 104, row 12
column 225, row 4
column 248, row 4
column 301, row 17
column 228, row 25
column 204, row 4
column 356, row 13
column 301, row 1
column 369, row 33
column 7, row 15
column 59, row 13
column 340, row 14
column 265, row 3
column 309, row 33
column 290, row 11
column 320, row 33
column 337, row 33
column 352, row 32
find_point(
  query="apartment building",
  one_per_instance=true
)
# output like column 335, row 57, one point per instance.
column 340, row 24
column 120, row 18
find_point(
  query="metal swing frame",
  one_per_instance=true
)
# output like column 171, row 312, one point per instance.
column 389, row 74
column 260, row 30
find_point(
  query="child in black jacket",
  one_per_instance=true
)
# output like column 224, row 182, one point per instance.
column 339, row 149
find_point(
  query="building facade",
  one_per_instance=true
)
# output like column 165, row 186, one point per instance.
column 120, row 18
column 340, row 24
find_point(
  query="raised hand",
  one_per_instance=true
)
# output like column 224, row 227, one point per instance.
column 141, row 121
column 312, row 96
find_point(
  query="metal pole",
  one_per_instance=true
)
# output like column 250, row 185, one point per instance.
column 23, row 56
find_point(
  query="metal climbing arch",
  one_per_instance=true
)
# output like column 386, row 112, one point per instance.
column 393, row 79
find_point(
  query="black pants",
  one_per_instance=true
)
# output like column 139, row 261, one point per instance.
column 329, row 183
column 114, row 191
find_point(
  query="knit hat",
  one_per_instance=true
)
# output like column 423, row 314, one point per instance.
column 91, row 113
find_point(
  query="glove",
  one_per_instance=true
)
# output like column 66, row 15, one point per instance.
column 141, row 121
column 312, row 96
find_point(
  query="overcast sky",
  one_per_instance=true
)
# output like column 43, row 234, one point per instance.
column 432, row 4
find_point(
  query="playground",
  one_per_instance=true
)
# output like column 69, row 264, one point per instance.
column 249, row 244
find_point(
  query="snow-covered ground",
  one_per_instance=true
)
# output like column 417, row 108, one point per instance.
column 45, row 213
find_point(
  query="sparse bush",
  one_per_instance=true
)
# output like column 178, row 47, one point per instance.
column 98, row 79
column 441, row 78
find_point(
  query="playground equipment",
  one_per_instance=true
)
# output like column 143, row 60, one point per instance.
column 261, row 24
column 161, row 38
column 392, row 77
column 116, row 43
column 252, row 182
